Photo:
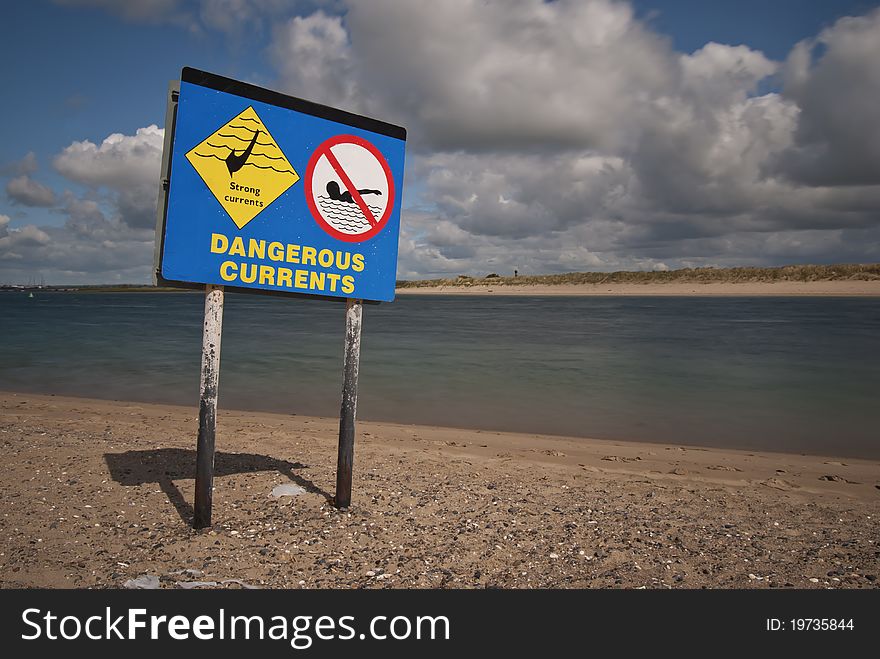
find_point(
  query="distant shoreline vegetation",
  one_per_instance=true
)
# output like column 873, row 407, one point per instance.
column 802, row 273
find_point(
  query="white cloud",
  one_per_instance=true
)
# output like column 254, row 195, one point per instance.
column 472, row 75
column 127, row 165
column 88, row 248
column 118, row 161
column 517, row 195
column 718, row 74
column 837, row 141
column 108, row 233
column 25, row 190
column 241, row 19
column 312, row 55
column 15, row 242
column 230, row 16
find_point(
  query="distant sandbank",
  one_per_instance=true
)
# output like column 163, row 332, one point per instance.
column 865, row 288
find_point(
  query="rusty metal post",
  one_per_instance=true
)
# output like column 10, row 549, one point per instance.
column 210, row 379
column 348, row 410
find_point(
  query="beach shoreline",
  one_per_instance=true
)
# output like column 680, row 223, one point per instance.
column 100, row 492
column 843, row 288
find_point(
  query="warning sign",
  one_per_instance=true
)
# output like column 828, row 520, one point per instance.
column 349, row 188
column 243, row 166
column 333, row 234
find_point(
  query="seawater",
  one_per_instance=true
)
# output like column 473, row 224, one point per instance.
column 781, row 374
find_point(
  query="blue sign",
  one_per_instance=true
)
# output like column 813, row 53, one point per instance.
column 271, row 192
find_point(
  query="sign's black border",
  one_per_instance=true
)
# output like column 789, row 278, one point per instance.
column 230, row 86
column 247, row 90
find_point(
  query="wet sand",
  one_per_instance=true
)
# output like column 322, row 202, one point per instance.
column 97, row 493
column 782, row 288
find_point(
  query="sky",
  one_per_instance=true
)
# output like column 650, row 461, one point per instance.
column 545, row 137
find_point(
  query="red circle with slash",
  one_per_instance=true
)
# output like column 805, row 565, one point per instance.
column 376, row 223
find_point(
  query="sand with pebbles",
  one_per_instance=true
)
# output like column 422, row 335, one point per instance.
column 98, row 493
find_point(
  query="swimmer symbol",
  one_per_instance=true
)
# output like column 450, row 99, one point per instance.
column 235, row 162
column 335, row 193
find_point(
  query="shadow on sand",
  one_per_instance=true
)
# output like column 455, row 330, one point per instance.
column 166, row 465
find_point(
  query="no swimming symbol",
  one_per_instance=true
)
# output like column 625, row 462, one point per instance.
column 349, row 188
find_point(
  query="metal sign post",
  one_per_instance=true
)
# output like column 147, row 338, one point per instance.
column 208, row 390
column 348, row 410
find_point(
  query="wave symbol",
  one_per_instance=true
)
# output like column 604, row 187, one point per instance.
column 248, row 164
column 346, row 217
column 243, row 139
column 253, row 153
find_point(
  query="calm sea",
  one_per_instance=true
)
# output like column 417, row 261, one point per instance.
column 787, row 374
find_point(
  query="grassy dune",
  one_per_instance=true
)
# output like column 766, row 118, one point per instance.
column 806, row 273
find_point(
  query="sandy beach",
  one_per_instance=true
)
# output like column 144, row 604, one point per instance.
column 782, row 288
column 97, row 493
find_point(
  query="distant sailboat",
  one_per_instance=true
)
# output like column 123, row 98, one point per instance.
column 30, row 294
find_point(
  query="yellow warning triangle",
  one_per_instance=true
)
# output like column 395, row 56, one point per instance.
column 243, row 166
